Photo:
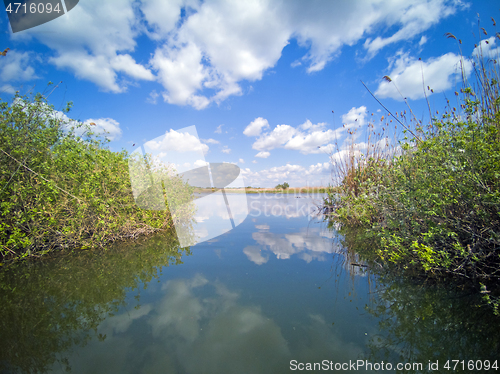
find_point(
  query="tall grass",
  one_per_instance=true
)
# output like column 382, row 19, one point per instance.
column 433, row 201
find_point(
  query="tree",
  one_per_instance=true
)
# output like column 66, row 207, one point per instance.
column 283, row 186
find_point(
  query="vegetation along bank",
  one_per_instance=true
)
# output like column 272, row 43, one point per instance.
column 61, row 188
column 431, row 201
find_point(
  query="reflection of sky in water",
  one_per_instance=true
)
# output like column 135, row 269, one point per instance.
column 214, row 217
column 220, row 312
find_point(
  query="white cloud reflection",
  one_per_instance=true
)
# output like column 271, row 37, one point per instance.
column 308, row 244
column 201, row 326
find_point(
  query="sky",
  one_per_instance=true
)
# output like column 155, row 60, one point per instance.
column 272, row 86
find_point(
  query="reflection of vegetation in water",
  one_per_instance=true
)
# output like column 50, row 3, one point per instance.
column 422, row 323
column 423, row 320
column 48, row 307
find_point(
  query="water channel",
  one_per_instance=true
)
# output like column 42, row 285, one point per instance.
column 273, row 294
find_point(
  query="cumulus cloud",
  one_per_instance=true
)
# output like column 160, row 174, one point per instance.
column 108, row 127
column 95, row 41
column 411, row 19
column 16, row 67
column 280, row 135
column 407, row 72
column 203, row 56
column 263, row 154
column 295, row 175
column 307, row 138
column 255, row 127
column 200, row 163
column 487, row 48
column 355, row 117
column 178, row 142
column 226, row 150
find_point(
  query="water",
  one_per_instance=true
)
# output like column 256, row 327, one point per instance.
column 277, row 291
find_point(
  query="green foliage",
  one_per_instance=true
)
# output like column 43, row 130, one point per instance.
column 435, row 206
column 61, row 188
column 51, row 305
column 283, row 186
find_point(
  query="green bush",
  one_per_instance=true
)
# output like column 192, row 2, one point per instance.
column 61, row 188
column 435, row 208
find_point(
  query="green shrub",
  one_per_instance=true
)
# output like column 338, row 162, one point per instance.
column 435, row 207
column 61, row 188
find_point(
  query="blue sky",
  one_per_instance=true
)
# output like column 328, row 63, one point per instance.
column 258, row 79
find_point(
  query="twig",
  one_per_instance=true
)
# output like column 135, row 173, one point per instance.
column 388, row 111
column 55, row 185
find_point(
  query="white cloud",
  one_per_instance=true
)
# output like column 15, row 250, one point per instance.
column 108, row 127
column 7, row 88
column 210, row 141
column 255, row 127
column 487, row 48
column 412, row 19
column 177, row 141
column 241, row 41
column 355, row 117
column 274, row 139
column 181, row 72
column 296, row 175
column 203, row 57
column 241, row 161
column 218, row 130
column 226, row 150
column 262, row 155
column 153, row 97
column 407, row 72
column 307, row 138
column 125, row 63
column 200, row 163
column 94, row 41
column 161, row 16
column 15, row 67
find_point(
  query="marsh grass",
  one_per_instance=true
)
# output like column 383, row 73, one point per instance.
column 433, row 200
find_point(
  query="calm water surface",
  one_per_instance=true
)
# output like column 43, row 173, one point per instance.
column 277, row 288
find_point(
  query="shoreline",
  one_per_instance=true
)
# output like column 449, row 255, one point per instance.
column 290, row 190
